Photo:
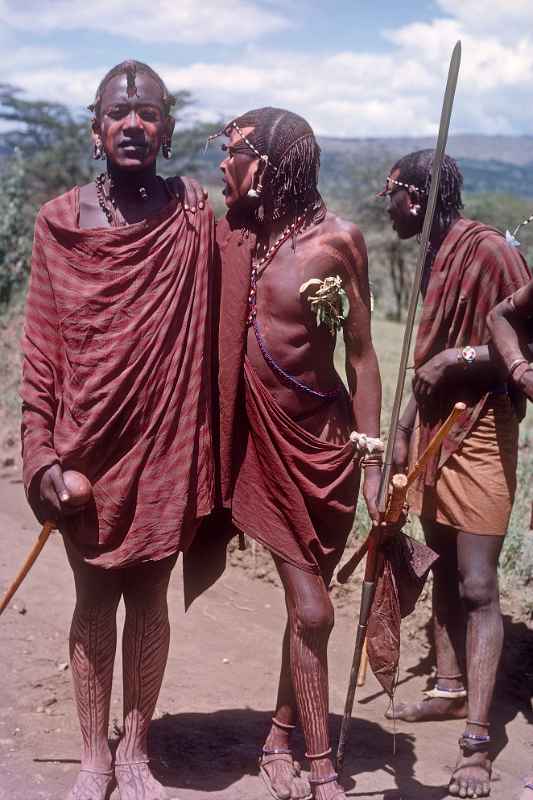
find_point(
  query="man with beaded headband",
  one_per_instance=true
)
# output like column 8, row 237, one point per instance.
column 465, row 496
column 293, row 275
column 116, row 384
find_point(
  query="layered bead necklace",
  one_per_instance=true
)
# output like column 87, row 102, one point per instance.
column 107, row 201
column 259, row 265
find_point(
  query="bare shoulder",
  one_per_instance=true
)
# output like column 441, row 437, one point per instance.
column 341, row 240
column 88, row 193
column 59, row 208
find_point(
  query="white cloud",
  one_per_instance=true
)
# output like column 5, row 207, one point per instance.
column 179, row 21
column 505, row 18
column 396, row 92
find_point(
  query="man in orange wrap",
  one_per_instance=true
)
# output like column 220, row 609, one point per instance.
column 292, row 438
column 464, row 497
column 116, row 384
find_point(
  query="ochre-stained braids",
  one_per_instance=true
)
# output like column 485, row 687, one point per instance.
column 290, row 144
column 130, row 68
column 415, row 169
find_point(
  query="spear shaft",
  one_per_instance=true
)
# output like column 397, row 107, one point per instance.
column 384, row 504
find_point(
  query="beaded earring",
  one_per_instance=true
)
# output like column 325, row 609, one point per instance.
column 166, row 148
column 98, row 149
column 256, row 192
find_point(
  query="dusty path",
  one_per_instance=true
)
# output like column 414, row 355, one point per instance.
column 216, row 700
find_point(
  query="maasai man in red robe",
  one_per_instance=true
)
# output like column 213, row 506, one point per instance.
column 116, row 384
column 465, row 497
column 292, row 437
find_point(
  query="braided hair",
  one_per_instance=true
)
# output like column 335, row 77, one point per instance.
column 291, row 175
column 130, row 68
column 415, row 169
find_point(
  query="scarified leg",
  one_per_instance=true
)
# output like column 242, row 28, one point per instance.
column 93, row 638
column 310, row 623
column 279, row 770
column 145, row 650
column 448, row 630
column 478, row 564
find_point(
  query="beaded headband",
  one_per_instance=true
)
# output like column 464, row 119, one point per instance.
column 409, row 186
column 245, row 139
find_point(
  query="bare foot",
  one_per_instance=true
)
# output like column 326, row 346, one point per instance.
column 283, row 779
column 91, row 785
column 471, row 776
column 429, row 710
column 136, row 782
column 527, row 789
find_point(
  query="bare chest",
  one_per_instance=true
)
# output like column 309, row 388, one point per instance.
column 279, row 284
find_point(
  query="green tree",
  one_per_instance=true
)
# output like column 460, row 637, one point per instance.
column 15, row 229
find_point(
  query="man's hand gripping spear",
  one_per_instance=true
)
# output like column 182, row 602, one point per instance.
column 391, row 501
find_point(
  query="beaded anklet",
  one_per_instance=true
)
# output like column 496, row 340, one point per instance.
column 316, row 756
column 445, row 694
column 474, row 743
column 276, row 751
column 321, row 781
column 285, row 726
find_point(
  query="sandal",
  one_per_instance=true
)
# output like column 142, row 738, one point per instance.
column 270, row 755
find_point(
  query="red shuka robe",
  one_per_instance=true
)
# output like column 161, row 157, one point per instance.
column 475, row 268
column 117, row 376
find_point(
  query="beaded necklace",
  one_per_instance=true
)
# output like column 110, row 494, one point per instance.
column 258, row 267
column 108, row 202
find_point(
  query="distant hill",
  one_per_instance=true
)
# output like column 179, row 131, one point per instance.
column 502, row 164
column 512, row 149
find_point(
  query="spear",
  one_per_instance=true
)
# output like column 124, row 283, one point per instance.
column 389, row 505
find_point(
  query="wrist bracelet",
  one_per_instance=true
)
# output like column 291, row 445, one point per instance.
column 516, row 363
column 371, row 460
column 520, row 370
column 405, row 428
column 366, row 444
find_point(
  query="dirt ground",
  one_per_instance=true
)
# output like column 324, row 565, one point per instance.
column 219, row 687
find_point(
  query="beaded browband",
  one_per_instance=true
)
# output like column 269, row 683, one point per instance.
column 263, row 156
column 409, row 186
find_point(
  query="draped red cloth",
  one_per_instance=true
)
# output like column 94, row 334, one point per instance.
column 117, row 376
column 290, row 490
column 475, row 268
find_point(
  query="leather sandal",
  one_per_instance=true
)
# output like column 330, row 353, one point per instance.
column 271, row 754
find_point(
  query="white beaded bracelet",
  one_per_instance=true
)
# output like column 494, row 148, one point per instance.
column 366, row 444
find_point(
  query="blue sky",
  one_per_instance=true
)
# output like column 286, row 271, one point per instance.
column 352, row 68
